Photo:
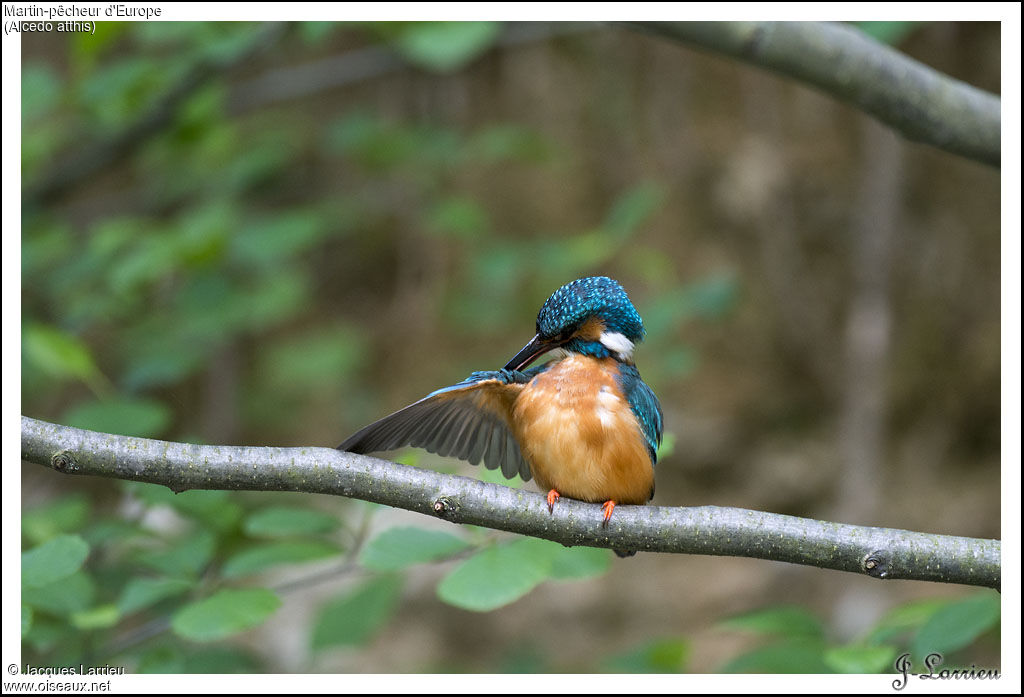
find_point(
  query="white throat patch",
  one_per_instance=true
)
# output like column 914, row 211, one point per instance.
column 618, row 344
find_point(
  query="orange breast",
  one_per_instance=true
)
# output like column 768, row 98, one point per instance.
column 579, row 435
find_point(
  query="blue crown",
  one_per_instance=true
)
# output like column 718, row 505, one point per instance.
column 596, row 296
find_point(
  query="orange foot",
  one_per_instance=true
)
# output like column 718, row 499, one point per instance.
column 608, row 507
column 552, row 497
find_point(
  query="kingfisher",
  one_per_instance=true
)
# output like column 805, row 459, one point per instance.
column 583, row 425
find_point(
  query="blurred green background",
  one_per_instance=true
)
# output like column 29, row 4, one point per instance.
column 272, row 234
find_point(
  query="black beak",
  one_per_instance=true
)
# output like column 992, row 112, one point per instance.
column 536, row 348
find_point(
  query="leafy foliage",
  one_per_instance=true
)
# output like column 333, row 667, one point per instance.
column 354, row 618
column 398, row 548
column 198, row 583
column 224, row 614
column 53, row 560
column 888, row 32
column 501, row 574
column 794, row 640
column 496, row 576
column 444, row 46
column 71, row 598
column 285, row 521
column 266, row 555
column 661, row 656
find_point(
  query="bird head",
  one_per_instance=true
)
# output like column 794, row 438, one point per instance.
column 592, row 316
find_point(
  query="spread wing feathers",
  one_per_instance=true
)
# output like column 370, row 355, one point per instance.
column 645, row 407
column 468, row 421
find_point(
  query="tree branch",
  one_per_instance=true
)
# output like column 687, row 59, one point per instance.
column 369, row 63
column 918, row 101
column 876, row 552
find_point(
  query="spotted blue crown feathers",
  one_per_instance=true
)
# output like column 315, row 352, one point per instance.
column 596, row 296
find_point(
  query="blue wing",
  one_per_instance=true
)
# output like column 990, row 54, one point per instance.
column 645, row 407
column 468, row 420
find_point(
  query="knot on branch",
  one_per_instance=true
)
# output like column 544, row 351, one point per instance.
column 876, row 564
column 445, row 506
column 64, row 461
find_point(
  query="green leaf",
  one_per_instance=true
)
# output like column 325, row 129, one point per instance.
column 267, row 240
column 70, row 594
column 153, row 255
column 161, row 659
column 398, row 548
column 906, row 618
column 409, row 457
column 120, row 90
column 380, row 146
column 40, row 91
column 792, row 621
column 46, row 247
column 88, row 45
column 496, row 477
column 51, row 561
column 957, row 625
column 668, row 445
column 156, row 361
column 679, row 361
column 141, row 593
column 101, row 617
column 26, row 620
column 57, row 353
column 709, row 298
column 266, row 159
column 633, row 208
column 354, row 618
column 314, row 33
column 300, row 361
column 225, row 42
column 524, row 659
column 712, row 297
column 111, row 531
column 445, row 46
column 861, row 659
column 576, row 253
column 498, row 575
column 891, row 33
column 213, row 307
column 264, row 556
column 216, row 508
column 458, row 217
column 508, row 142
column 144, row 418
column 789, row 657
column 186, row 556
column 211, row 660
column 275, row 298
column 49, row 635
column 286, row 521
column 662, row 656
column 573, row 563
column 63, row 515
column 224, row 614
column 220, row 660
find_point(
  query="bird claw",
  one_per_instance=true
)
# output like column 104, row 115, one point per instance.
column 552, row 497
column 608, row 507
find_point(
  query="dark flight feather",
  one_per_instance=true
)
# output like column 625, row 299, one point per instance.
column 465, row 421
